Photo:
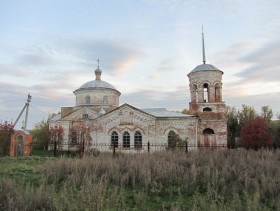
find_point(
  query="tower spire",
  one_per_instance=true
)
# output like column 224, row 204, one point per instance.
column 203, row 48
column 98, row 72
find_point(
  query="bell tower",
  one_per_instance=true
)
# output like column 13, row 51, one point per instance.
column 205, row 83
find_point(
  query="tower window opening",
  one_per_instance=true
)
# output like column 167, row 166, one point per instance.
column 205, row 92
column 105, row 100
column 207, row 109
column 195, row 93
column 87, row 99
column 217, row 93
column 208, row 131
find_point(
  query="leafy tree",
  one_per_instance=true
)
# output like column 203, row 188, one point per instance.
column 185, row 111
column 6, row 130
column 266, row 113
column 276, row 141
column 255, row 134
column 80, row 134
column 232, row 126
column 40, row 135
column 176, row 141
column 56, row 137
column 246, row 114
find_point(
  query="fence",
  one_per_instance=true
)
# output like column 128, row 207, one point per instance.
column 143, row 148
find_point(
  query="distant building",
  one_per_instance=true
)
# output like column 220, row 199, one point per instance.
column 97, row 106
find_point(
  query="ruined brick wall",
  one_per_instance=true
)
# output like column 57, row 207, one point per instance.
column 21, row 144
column 213, row 79
column 206, row 103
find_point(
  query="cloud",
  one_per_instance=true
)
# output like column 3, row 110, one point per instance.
column 116, row 56
column 265, row 64
column 166, row 65
column 174, row 100
column 35, row 59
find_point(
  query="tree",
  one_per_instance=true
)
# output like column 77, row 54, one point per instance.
column 6, row 130
column 80, row 134
column 185, row 111
column 276, row 141
column 266, row 113
column 56, row 137
column 233, row 127
column 40, row 135
column 175, row 141
column 246, row 114
column 255, row 134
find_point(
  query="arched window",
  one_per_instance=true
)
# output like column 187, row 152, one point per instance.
column 207, row 109
column 105, row 100
column 74, row 137
column 115, row 139
column 208, row 131
column 217, row 93
column 138, row 140
column 87, row 99
column 195, row 93
column 206, row 92
column 126, row 140
column 170, row 139
column 85, row 116
column 20, row 145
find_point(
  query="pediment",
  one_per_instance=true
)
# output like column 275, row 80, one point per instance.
column 81, row 113
column 126, row 115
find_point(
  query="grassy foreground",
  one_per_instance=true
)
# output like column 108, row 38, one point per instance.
column 202, row 180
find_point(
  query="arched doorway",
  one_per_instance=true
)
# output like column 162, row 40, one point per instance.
column 19, row 146
column 209, row 138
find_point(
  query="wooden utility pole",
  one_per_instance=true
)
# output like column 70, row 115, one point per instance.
column 26, row 106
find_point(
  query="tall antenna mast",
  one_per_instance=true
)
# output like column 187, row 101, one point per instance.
column 203, row 48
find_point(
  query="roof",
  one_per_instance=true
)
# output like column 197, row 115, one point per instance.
column 162, row 112
column 205, row 67
column 97, row 84
column 56, row 117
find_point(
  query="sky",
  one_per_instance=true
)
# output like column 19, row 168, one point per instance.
column 146, row 48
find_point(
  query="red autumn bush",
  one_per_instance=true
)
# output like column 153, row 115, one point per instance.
column 255, row 134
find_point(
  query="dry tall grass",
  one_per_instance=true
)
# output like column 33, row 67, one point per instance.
column 203, row 180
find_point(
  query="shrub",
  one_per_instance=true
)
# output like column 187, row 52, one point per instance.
column 255, row 134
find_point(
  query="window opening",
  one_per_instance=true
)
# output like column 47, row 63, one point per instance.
column 126, row 140
column 115, row 139
column 170, row 139
column 208, row 131
column 195, row 93
column 105, row 99
column 138, row 140
column 87, row 99
column 73, row 137
column 205, row 92
column 217, row 93
column 207, row 109
column 85, row 116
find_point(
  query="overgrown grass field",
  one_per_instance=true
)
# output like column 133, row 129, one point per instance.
column 202, row 180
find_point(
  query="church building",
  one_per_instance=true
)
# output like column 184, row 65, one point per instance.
column 99, row 120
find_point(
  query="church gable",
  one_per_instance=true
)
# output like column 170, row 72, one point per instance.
column 82, row 113
column 126, row 118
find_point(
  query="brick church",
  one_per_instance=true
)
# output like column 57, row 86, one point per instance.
column 97, row 108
